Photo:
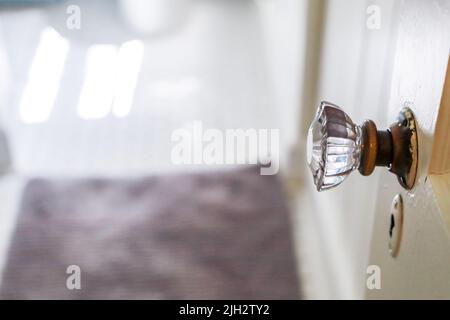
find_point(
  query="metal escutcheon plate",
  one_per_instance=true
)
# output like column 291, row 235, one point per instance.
column 407, row 119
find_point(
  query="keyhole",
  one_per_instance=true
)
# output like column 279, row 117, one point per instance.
column 395, row 225
column 392, row 226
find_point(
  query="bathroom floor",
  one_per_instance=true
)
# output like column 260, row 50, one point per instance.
column 148, row 238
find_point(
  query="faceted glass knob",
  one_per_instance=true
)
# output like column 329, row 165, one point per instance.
column 336, row 147
column 333, row 146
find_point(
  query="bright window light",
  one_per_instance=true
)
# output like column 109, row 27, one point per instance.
column 44, row 77
column 129, row 63
column 97, row 93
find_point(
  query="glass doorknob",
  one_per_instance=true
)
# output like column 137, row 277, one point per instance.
column 336, row 147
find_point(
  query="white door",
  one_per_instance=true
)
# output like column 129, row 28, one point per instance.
column 372, row 71
column 421, row 268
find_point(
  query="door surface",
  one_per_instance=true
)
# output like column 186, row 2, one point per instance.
column 420, row 80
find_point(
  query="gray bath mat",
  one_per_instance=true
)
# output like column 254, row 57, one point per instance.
column 222, row 235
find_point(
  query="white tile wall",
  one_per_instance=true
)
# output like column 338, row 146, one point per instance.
column 211, row 68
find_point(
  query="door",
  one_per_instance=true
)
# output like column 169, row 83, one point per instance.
column 421, row 81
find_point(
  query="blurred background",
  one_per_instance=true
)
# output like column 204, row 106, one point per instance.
column 90, row 93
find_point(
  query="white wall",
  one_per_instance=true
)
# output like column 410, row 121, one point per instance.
column 5, row 79
column 212, row 68
column 283, row 24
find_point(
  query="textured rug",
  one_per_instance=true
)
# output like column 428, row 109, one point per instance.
column 222, row 235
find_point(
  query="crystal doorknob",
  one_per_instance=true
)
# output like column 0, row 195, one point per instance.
column 336, row 147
